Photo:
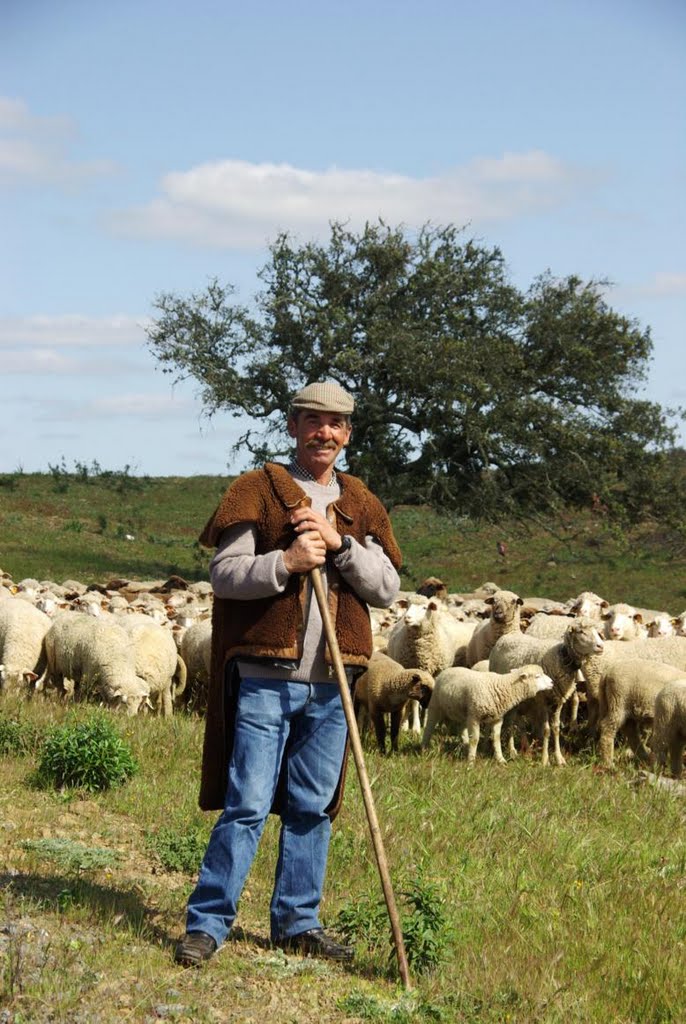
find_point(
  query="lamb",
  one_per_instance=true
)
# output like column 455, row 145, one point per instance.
column 628, row 689
column 669, row 726
column 428, row 637
column 561, row 661
column 474, row 698
column 660, row 625
column 504, row 619
column 670, row 650
column 386, row 686
column 94, row 652
column 623, row 622
column 157, row 661
column 22, row 651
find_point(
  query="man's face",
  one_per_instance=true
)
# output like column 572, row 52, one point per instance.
column 319, row 438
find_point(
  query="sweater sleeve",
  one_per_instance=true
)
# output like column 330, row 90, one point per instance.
column 369, row 571
column 237, row 573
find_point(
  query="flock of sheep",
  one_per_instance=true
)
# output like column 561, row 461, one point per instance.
column 494, row 659
column 133, row 645
column 490, row 658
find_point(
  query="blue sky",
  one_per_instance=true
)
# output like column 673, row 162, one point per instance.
column 149, row 146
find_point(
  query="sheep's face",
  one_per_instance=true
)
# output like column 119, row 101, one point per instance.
column 422, row 688
column 584, row 638
column 504, row 606
column 589, row 605
column 621, row 622
column 660, row 626
column 415, row 615
column 535, row 677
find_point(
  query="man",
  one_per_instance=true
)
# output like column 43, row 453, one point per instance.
column 275, row 733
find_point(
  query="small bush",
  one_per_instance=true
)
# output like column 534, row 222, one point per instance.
column 423, row 921
column 16, row 738
column 85, row 755
column 179, row 851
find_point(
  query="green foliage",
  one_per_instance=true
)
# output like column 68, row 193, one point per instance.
column 17, row 737
column 424, row 922
column 71, row 855
column 470, row 395
column 85, row 755
column 179, row 850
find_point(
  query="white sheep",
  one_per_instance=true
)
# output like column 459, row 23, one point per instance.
column 660, row 625
column 95, row 653
column 504, row 618
column 385, row 688
column 669, row 726
column 196, row 649
column 588, row 605
column 679, row 623
column 22, row 651
column 628, row 689
column 428, row 637
column 670, row 650
column 623, row 622
column 471, row 698
column 561, row 661
column 157, row 661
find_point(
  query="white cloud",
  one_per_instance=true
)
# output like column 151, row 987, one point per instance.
column 36, row 150
column 72, row 330
column 235, row 203
column 666, row 284
column 134, row 407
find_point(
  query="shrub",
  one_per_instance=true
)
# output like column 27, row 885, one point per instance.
column 423, row 922
column 87, row 755
column 179, row 851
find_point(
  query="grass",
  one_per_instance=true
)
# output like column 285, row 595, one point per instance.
column 62, row 525
column 563, row 890
column 564, row 894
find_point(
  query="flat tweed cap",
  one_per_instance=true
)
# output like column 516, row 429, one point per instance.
column 324, row 396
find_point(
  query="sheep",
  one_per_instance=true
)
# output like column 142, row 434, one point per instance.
column 623, row 622
column 22, row 651
column 504, row 619
column 670, row 650
column 386, row 686
column 96, row 652
column 628, row 689
column 472, row 698
column 660, row 625
column 195, row 650
column 157, row 661
column 588, row 605
column 679, row 623
column 669, row 726
column 428, row 637
column 561, row 661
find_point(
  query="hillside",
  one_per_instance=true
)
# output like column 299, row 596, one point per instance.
column 91, row 527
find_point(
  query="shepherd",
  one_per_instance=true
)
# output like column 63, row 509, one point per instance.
column 275, row 732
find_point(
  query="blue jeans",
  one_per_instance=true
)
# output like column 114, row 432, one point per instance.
column 302, row 725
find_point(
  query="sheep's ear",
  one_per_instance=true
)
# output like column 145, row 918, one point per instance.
column 520, row 600
column 605, row 617
column 433, row 605
column 488, row 600
column 402, row 602
column 604, row 604
column 638, row 617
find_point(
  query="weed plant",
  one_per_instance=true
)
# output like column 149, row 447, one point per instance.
column 180, row 851
column 88, row 755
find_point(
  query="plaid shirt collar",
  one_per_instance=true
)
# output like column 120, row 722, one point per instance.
column 296, row 470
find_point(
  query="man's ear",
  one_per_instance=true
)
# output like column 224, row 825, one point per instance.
column 292, row 427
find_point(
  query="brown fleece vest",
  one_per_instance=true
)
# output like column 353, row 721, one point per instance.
column 273, row 627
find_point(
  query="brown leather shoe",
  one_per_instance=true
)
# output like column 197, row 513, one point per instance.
column 315, row 942
column 194, row 949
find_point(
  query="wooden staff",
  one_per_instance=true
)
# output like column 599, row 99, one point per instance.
column 356, row 745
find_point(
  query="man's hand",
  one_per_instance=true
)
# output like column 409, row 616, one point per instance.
column 307, row 550
column 305, row 519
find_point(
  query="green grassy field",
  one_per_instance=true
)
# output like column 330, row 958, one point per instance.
column 564, row 890
column 57, row 526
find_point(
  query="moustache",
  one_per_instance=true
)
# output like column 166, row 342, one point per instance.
column 321, row 444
